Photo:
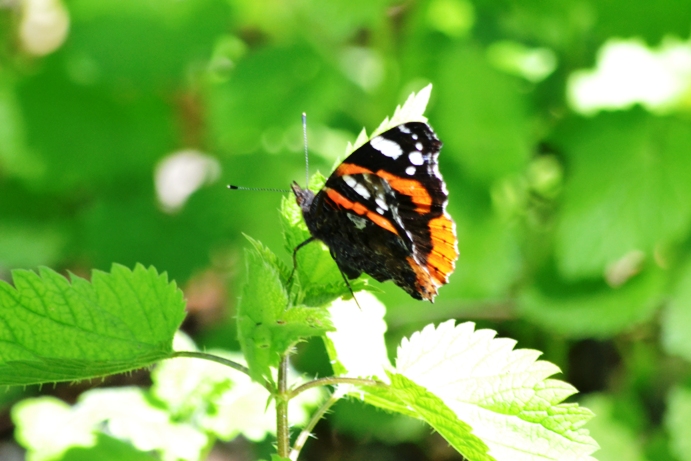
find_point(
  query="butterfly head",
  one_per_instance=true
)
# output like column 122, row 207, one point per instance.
column 303, row 197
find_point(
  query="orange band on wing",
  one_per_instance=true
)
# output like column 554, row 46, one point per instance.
column 441, row 260
column 410, row 187
column 351, row 168
column 360, row 209
column 425, row 285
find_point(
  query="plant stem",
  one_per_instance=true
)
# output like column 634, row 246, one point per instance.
column 282, row 398
column 334, row 380
column 307, row 431
column 221, row 360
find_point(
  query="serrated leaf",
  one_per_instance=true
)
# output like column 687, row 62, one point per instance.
column 54, row 330
column 271, row 258
column 411, row 111
column 315, row 266
column 432, row 410
column 504, row 395
column 263, row 300
column 268, row 324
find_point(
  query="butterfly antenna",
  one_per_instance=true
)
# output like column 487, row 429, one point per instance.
column 260, row 189
column 307, row 159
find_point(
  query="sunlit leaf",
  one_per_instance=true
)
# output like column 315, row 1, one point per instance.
column 504, row 396
column 55, row 330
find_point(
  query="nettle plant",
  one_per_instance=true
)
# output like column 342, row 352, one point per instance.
column 488, row 400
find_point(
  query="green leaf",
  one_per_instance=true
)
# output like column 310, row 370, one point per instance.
column 54, row 330
column 268, row 324
column 432, row 410
column 318, row 278
column 15, row 158
column 650, row 20
column 676, row 318
column 24, row 244
column 67, row 122
column 503, row 395
column 490, row 257
column 359, row 420
column 482, row 117
column 263, row 300
column 617, row 441
column 677, row 422
column 626, row 189
column 412, row 111
column 107, row 40
column 592, row 308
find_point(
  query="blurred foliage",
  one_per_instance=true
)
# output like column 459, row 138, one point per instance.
column 573, row 230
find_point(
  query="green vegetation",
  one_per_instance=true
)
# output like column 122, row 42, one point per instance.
column 566, row 131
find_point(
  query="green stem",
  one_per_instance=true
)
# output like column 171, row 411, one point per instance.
column 221, row 360
column 331, row 380
column 307, row 431
column 282, row 398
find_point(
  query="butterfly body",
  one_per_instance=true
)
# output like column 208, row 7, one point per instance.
column 383, row 212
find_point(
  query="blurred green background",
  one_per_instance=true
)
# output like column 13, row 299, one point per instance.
column 567, row 154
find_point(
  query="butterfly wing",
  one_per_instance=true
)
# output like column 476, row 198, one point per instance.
column 394, row 202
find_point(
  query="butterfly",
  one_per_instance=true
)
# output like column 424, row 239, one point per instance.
column 383, row 212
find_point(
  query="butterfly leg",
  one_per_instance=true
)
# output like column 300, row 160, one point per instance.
column 345, row 279
column 295, row 254
column 347, row 272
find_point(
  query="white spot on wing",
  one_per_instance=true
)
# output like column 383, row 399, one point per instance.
column 386, row 147
column 359, row 189
column 410, row 170
column 403, row 129
column 414, row 136
column 381, row 203
column 397, row 218
column 416, row 158
column 380, row 211
column 418, row 146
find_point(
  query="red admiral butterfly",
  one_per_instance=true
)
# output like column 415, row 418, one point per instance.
column 383, row 212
